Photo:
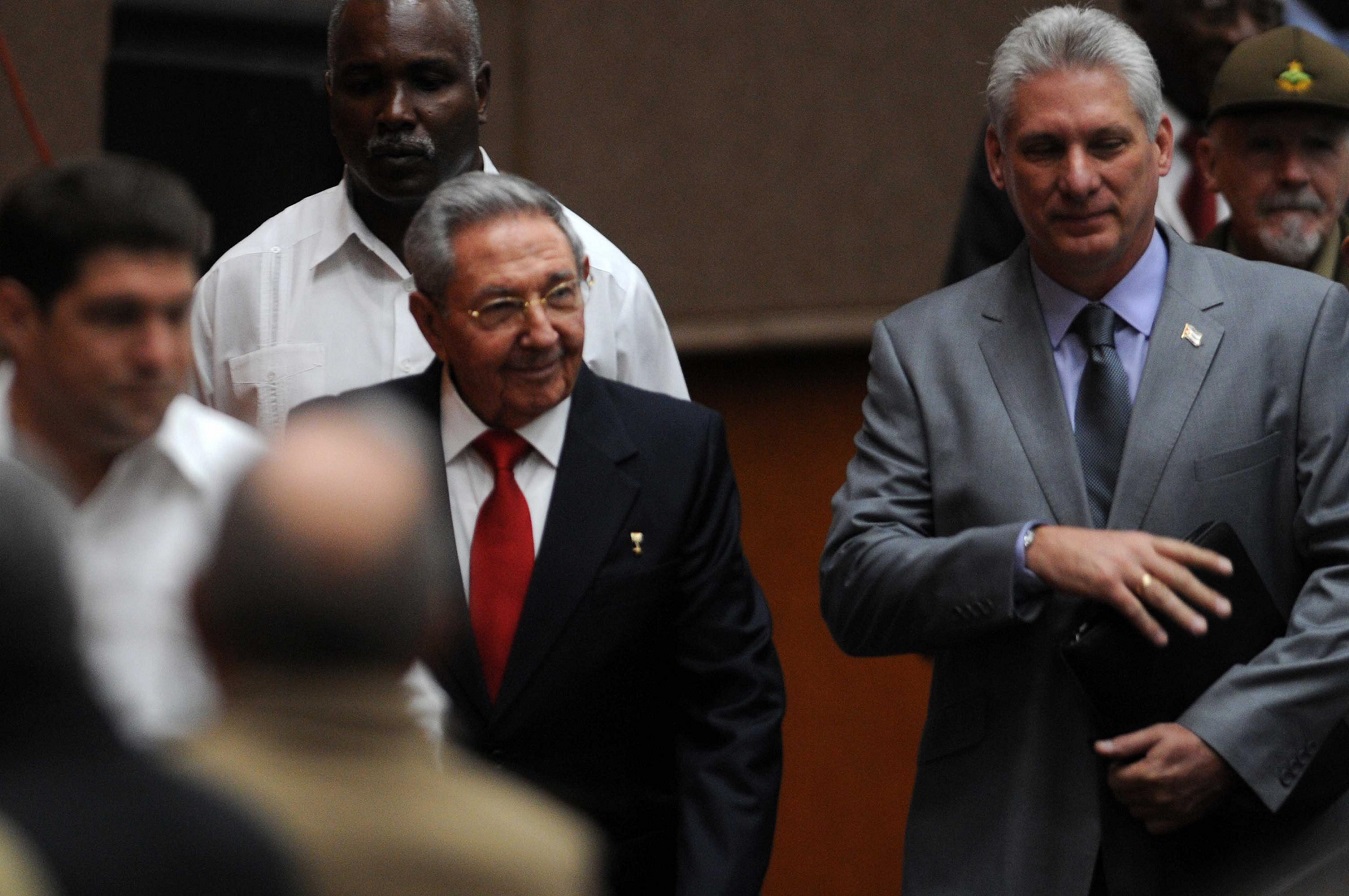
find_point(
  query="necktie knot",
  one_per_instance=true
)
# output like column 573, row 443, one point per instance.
column 501, row 448
column 1095, row 326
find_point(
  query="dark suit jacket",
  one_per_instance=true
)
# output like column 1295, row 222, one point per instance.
column 966, row 438
column 105, row 820
column 642, row 688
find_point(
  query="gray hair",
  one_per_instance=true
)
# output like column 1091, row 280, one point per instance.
column 472, row 198
column 1070, row 37
column 466, row 14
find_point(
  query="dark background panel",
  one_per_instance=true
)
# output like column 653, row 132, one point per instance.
column 232, row 99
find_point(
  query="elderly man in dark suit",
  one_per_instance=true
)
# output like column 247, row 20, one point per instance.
column 1037, row 438
column 610, row 643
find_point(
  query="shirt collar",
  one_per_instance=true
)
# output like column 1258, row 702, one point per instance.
column 179, row 442
column 459, row 426
column 347, row 229
column 1135, row 298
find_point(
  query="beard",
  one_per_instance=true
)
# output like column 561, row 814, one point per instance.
column 1294, row 237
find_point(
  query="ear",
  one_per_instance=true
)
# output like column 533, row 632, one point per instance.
column 1166, row 145
column 430, row 320
column 20, row 317
column 328, row 83
column 585, row 269
column 482, row 85
column 994, row 156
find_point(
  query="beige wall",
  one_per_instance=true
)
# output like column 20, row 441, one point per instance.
column 58, row 47
column 783, row 172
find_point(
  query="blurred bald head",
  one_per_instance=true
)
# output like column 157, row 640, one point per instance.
column 331, row 554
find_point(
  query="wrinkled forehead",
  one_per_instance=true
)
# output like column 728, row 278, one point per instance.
column 1073, row 96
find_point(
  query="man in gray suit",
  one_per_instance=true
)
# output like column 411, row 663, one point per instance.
column 1019, row 467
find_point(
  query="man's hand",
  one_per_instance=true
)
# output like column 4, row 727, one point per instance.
column 1165, row 775
column 1136, row 574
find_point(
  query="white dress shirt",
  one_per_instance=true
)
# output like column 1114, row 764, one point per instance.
column 470, row 478
column 312, row 303
column 137, row 544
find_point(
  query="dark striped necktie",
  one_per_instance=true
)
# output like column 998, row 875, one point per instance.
column 1103, row 407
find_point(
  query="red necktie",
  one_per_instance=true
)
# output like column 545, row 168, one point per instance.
column 1197, row 202
column 502, row 556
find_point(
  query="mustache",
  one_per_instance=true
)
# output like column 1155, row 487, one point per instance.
column 1303, row 200
column 403, row 144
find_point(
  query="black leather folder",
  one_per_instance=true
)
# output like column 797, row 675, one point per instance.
column 1131, row 683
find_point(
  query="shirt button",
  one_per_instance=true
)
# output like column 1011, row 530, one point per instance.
column 271, row 376
column 408, row 366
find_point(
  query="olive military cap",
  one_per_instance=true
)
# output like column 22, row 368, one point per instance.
column 1286, row 68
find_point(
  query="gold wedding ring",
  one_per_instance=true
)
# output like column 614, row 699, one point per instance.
column 1144, row 584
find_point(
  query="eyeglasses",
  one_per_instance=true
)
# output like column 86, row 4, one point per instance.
column 559, row 303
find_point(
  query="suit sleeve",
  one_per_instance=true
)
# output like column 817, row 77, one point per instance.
column 890, row 582
column 731, row 694
column 1267, row 718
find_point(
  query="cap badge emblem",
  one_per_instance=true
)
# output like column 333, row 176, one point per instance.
column 1293, row 79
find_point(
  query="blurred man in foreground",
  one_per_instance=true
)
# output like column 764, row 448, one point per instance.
column 97, row 263
column 103, row 819
column 329, row 578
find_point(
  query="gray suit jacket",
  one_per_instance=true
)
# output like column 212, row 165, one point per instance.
column 966, row 438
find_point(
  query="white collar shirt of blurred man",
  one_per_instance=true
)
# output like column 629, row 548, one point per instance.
column 138, row 541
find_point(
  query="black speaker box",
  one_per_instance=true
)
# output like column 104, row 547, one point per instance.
column 228, row 93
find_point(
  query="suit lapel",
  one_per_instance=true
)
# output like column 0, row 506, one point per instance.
column 458, row 658
column 591, row 497
column 1021, row 362
column 1174, row 371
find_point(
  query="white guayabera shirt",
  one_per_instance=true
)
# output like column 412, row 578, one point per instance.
column 312, row 303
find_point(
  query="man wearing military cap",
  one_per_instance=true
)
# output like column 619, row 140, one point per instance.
column 1278, row 150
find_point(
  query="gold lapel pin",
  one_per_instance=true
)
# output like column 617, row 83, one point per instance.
column 1192, row 336
column 636, row 542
